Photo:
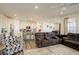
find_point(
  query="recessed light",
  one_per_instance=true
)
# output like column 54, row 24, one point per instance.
column 36, row 7
column 61, row 13
column 15, row 15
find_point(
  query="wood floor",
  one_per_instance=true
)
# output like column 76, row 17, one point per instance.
column 30, row 44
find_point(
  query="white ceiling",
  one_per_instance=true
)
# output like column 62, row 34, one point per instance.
column 44, row 9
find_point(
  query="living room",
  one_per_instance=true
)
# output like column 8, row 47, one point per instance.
column 39, row 29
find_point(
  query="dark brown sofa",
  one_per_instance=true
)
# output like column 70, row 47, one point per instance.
column 72, row 40
column 44, row 39
column 52, row 38
column 40, row 40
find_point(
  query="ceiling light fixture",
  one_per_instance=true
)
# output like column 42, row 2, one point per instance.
column 61, row 13
column 36, row 7
column 15, row 15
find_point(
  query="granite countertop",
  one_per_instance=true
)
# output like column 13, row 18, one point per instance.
column 2, row 46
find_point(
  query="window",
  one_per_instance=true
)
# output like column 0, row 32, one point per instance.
column 72, row 25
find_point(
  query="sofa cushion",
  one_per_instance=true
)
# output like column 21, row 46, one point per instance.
column 74, row 42
column 72, row 36
column 39, row 35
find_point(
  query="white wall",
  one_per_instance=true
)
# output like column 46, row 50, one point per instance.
column 5, row 23
column 20, row 23
column 41, row 24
